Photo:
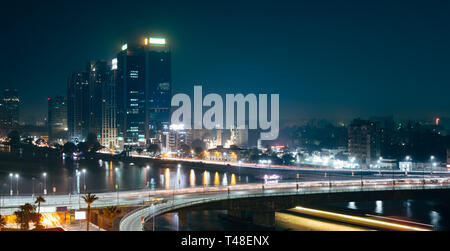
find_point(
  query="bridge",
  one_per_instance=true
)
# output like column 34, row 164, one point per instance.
column 264, row 200
column 261, row 199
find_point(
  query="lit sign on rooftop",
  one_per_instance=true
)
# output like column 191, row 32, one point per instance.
column 159, row 41
column 124, row 47
column 114, row 64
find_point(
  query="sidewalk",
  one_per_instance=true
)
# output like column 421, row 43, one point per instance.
column 77, row 226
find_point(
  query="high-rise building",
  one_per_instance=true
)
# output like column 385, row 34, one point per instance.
column 239, row 137
column 144, row 91
column 57, row 120
column 363, row 141
column 109, row 137
column 11, row 102
column 99, row 78
column 78, row 101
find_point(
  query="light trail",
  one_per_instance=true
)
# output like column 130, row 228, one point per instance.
column 357, row 220
column 399, row 220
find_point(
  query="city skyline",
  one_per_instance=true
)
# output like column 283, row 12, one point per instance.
column 303, row 52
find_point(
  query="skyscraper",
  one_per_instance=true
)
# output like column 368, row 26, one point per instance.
column 11, row 102
column 57, row 120
column 364, row 141
column 144, row 91
column 99, row 78
column 78, row 100
column 109, row 135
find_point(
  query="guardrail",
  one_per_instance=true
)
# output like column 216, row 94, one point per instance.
column 128, row 222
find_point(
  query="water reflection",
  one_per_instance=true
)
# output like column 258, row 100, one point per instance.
column 167, row 178
column 104, row 176
column 379, row 207
column 233, row 179
column 216, row 179
column 352, row 205
column 434, row 218
column 225, row 180
column 192, row 178
column 206, row 178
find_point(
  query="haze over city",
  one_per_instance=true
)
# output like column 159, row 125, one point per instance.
column 326, row 59
column 226, row 123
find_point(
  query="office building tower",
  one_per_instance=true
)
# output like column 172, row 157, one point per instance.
column 144, row 91
column 364, row 141
column 109, row 137
column 57, row 120
column 11, row 102
column 78, row 101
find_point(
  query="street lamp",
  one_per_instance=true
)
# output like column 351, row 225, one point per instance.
column 11, row 190
column 78, row 181
column 45, row 182
column 84, row 180
column 117, row 184
column 17, row 183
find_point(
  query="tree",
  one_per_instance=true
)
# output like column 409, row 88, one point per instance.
column 153, row 149
column 14, row 139
column 89, row 199
column 2, row 222
column 199, row 152
column 111, row 213
column 38, row 201
column 92, row 143
column 185, row 150
column 69, row 148
column 25, row 215
column 253, row 155
column 287, row 158
column 83, row 147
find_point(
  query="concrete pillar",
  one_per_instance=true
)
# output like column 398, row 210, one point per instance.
column 240, row 214
column 264, row 219
column 182, row 218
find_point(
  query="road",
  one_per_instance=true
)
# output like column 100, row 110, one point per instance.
column 133, row 221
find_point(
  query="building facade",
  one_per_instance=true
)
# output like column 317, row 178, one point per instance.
column 363, row 142
column 144, row 92
column 78, row 99
column 57, row 120
column 11, row 107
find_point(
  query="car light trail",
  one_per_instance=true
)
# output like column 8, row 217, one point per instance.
column 357, row 220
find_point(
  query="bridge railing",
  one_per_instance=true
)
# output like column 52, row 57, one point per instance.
column 148, row 212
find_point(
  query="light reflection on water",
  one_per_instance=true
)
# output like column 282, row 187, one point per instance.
column 103, row 176
column 432, row 212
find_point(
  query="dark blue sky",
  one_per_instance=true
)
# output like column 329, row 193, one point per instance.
column 326, row 58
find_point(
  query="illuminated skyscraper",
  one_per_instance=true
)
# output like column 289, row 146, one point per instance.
column 364, row 141
column 57, row 120
column 11, row 102
column 109, row 137
column 99, row 78
column 144, row 91
column 78, row 96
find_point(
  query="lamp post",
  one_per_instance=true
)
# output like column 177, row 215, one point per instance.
column 11, row 178
column 32, row 187
column 45, row 183
column 84, row 180
column 116, row 170
column 148, row 176
column 78, row 181
column 17, row 183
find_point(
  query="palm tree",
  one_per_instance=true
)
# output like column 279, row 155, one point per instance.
column 38, row 201
column 25, row 215
column 111, row 213
column 89, row 199
column 2, row 222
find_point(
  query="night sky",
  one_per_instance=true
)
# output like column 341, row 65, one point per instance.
column 327, row 59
